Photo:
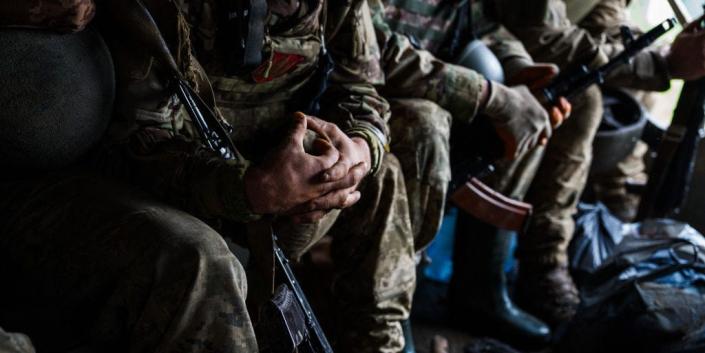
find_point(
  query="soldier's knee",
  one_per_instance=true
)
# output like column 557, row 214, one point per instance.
column 188, row 244
column 420, row 132
column 420, row 120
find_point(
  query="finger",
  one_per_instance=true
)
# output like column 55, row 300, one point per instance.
column 298, row 131
column 353, row 177
column 556, row 117
column 319, row 126
column 337, row 171
column 335, row 200
column 326, row 157
column 566, row 107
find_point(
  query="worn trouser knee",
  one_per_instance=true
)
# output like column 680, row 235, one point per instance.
column 560, row 181
column 420, row 135
column 111, row 269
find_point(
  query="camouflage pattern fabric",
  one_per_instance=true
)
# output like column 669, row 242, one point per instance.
column 605, row 19
column 430, row 23
column 559, row 182
column 373, row 246
column 152, row 144
column 106, row 268
column 373, row 256
column 549, row 36
column 420, row 140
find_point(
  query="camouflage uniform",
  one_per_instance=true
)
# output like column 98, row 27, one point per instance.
column 428, row 96
column 543, row 27
column 151, row 144
column 372, row 244
column 604, row 20
column 96, row 264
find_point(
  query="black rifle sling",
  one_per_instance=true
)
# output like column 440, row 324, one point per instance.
column 243, row 27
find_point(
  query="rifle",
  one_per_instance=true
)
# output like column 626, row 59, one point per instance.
column 671, row 175
column 576, row 81
column 480, row 201
column 291, row 314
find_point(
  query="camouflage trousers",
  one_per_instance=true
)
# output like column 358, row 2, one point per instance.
column 420, row 138
column 610, row 188
column 92, row 264
column 552, row 180
column 373, row 256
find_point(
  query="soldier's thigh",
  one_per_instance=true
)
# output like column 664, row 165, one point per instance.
column 67, row 241
column 420, row 131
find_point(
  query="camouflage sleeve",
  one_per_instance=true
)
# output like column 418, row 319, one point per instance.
column 548, row 35
column 351, row 101
column 416, row 73
column 509, row 50
column 182, row 172
column 152, row 142
column 61, row 15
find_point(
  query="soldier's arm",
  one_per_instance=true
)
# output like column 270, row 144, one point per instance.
column 416, row 73
column 352, row 102
column 549, row 36
column 61, row 15
column 152, row 143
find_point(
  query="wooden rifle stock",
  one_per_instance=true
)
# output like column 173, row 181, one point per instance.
column 489, row 206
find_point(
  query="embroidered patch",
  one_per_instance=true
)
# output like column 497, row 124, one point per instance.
column 278, row 66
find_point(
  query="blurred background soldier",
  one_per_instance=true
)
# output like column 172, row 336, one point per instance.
column 543, row 26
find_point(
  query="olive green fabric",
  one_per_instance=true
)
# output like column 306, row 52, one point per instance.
column 549, row 36
column 95, row 264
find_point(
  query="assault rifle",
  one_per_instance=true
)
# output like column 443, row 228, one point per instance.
column 480, row 201
column 576, row 81
column 288, row 312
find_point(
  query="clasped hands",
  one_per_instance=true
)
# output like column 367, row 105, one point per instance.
column 307, row 183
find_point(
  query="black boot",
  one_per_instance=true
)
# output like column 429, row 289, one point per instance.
column 478, row 290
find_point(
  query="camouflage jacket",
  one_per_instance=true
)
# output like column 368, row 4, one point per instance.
column 417, row 72
column 257, row 103
column 544, row 28
column 152, row 142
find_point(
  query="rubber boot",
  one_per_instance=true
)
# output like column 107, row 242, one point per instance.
column 478, row 289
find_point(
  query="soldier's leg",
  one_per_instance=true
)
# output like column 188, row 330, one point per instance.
column 373, row 253
column 420, row 134
column 544, row 282
column 91, row 263
column 373, row 256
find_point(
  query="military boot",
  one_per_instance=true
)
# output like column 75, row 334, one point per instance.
column 478, row 290
column 547, row 291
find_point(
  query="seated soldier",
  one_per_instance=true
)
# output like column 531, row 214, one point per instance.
column 543, row 26
column 372, row 248
column 107, row 266
column 428, row 96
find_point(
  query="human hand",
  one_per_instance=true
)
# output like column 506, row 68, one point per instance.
column 354, row 162
column 686, row 57
column 290, row 176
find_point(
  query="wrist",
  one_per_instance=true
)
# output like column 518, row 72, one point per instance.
column 364, row 151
